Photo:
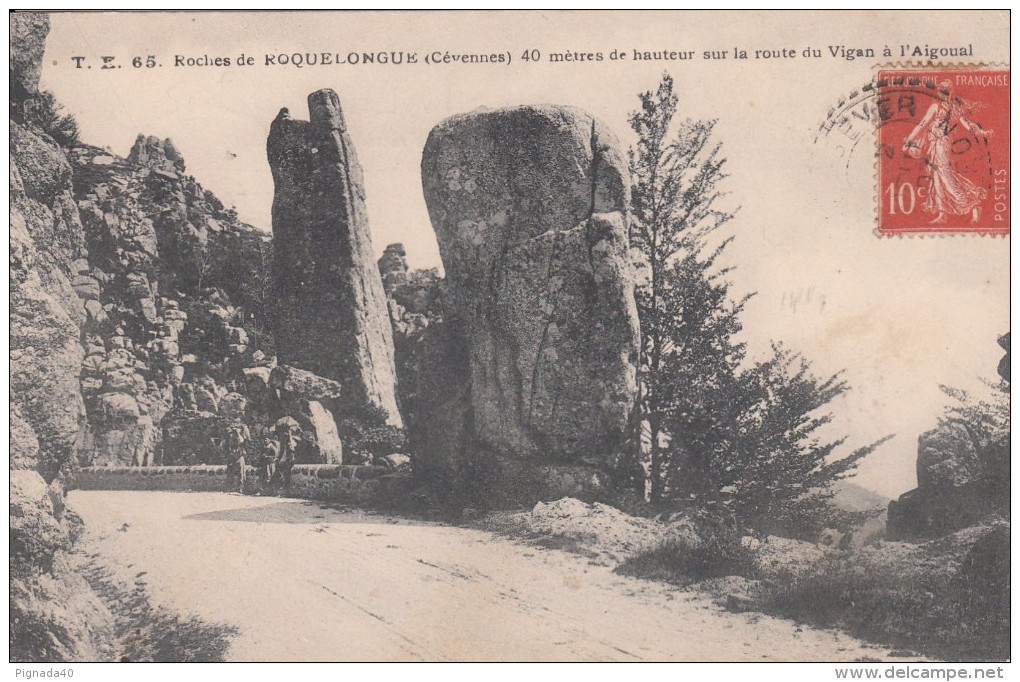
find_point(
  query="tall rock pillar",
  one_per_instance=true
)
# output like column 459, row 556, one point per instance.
column 331, row 316
column 529, row 206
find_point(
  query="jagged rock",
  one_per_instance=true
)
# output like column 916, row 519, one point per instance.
column 332, row 316
column 237, row 335
column 321, row 424
column 233, row 405
column 94, row 314
column 28, row 32
column 529, row 206
column 947, row 458
column 138, row 285
column 147, row 307
column 44, row 379
column 54, row 615
column 397, row 462
column 127, row 443
column 206, row 400
column 302, row 383
column 167, row 347
column 44, row 170
column 119, row 381
column 193, row 437
column 91, row 385
column 86, row 287
column 393, row 267
column 118, row 408
column 23, row 442
column 118, row 358
column 157, row 155
column 255, row 376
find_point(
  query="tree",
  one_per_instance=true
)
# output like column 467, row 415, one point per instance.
column 717, row 427
column 673, row 196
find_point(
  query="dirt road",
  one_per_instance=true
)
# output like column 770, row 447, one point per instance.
column 303, row 583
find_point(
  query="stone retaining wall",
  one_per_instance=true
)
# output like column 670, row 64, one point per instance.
column 344, row 483
column 199, row 478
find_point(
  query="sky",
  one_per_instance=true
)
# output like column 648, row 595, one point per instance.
column 901, row 316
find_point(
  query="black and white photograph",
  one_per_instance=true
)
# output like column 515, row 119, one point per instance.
column 510, row 336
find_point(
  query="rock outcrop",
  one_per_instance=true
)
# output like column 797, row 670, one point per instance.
column 331, row 308
column 157, row 154
column 311, row 401
column 28, row 42
column 963, row 474
column 529, row 206
column 413, row 299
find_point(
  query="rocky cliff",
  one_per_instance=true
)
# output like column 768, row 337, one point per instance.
column 529, row 207
column 140, row 334
column 53, row 614
column 331, row 307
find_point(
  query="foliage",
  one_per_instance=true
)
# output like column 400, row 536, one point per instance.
column 673, row 196
column 146, row 632
column 987, row 417
column 45, row 113
column 717, row 427
column 719, row 552
column 944, row 609
column 363, row 443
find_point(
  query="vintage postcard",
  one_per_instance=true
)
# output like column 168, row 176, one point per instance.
column 510, row 336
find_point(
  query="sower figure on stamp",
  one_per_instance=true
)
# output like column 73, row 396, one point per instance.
column 950, row 192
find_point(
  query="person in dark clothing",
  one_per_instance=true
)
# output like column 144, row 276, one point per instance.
column 285, row 458
column 238, row 436
column 267, row 463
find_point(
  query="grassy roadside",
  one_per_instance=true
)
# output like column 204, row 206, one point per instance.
column 147, row 633
column 947, row 599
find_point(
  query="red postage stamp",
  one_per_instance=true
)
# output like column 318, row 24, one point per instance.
column 943, row 136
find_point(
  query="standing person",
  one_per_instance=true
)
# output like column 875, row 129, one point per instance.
column 285, row 429
column 238, row 436
column 267, row 463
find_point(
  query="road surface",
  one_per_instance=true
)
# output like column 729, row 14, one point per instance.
column 301, row 582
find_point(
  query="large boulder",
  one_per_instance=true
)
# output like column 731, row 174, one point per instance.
column 947, row 457
column 287, row 379
column 308, row 398
column 529, row 206
column 331, row 314
column 319, row 422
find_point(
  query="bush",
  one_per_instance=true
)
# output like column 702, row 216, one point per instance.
column 46, row 114
column 718, row 553
column 364, row 443
column 940, row 610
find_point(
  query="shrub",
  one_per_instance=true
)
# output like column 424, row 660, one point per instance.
column 718, row 553
column 46, row 114
column 939, row 610
column 363, row 443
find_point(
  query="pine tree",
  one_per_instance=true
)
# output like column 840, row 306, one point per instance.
column 717, row 428
column 673, row 196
